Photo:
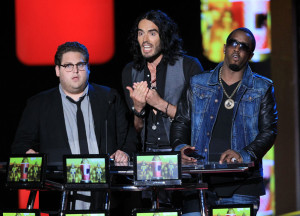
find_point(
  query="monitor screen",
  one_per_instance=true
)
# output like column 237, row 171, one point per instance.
column 26, row 170
column 21, row 212
column 85, row 213
column 157, row 168
column 232, row 210
column 86, row 171
column 156, row 212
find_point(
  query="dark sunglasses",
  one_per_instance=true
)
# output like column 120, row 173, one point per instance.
column 234, row 43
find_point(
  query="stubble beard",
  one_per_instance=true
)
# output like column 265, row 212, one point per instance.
column 153, row 57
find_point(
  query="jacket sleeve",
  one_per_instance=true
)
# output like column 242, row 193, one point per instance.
column 267, row 125
column 180, row 132
column 125, row 136
column 127, row 81
column 27, row 134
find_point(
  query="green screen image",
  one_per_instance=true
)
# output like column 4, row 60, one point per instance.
column 158, row 214
column 232, row 212
column 25, row 169
column 86, row 170
column 92, row 214
column 18, row 214
column 157, row 167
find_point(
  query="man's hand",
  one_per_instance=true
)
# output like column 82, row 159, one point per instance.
column 120, row 156
column 138, row 94
column 186, row 158
column 230, row 156
column 154, row 100
column 31, row 151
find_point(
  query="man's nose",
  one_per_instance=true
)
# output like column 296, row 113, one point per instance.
column 237, row 47
column 75, row 69
column 146, row 38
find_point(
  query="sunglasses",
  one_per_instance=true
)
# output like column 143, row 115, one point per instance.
column 234, row 43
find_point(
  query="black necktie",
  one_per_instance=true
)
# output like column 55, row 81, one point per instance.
column 81, row 127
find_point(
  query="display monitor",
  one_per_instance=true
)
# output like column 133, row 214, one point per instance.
column 26, row 171
column 156, row 212
column 232, row 210
column 85, row 213
column 21, row 212
column 157, row 168
column 85, row 172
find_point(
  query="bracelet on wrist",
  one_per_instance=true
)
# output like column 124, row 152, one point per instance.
column 139, row 114
column 167, row 108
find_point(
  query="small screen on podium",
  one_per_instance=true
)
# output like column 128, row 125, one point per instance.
column 157, row 168
column 84, row 213
column 26, row 171
column 156, row 212
column 21, row 212
column 232, row 210
column 86, row 171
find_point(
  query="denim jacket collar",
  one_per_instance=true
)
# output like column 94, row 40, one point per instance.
column 247, row 77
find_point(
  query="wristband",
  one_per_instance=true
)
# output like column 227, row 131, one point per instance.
column 139, row 114
column 167, row 108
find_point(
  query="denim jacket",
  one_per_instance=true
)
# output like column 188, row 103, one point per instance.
column 254, row 124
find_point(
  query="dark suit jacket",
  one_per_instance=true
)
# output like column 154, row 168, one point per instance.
column 42, row 126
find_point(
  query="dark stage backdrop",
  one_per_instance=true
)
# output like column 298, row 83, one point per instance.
column 19, row 82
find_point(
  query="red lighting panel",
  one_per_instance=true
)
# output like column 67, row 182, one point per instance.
column 43, row 25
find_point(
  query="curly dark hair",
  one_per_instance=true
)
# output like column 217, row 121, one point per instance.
column 171, row 43
column 69, row 47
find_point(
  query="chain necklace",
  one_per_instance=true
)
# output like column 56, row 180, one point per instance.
column 229, row 103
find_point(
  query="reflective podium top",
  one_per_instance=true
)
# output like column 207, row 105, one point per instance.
column 54, row 173
column 189, row 167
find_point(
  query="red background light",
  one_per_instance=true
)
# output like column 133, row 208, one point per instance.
column 43, row 25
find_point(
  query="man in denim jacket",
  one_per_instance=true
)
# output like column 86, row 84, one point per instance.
column 228, row 115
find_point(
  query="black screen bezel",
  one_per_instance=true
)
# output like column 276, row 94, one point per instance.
column 232, row 206
column 30, row 184
column 177, row 153
column 65, row 212
column 36, row 211
column 160, row 210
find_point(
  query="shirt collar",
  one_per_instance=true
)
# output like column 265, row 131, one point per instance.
column 85, row 91
column 246, row 81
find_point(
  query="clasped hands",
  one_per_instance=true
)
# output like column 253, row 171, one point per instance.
column 142, row 95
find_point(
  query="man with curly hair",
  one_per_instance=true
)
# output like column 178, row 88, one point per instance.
column 154, row 80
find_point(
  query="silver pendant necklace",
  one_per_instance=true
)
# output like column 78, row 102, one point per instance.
column 229, row 103
column 154, row 127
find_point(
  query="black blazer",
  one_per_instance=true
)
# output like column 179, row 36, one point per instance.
column 42, row 126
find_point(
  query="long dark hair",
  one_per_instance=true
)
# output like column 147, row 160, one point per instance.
column 171, row 43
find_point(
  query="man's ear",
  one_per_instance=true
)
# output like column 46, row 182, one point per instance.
column 57, row 70
column 250, row 56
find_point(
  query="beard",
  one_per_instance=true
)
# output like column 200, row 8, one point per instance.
column 152, row 58
column 234, row 67
column 157, row 52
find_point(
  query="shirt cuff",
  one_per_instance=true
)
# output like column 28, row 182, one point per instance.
column 177, row 148
column 246, row 156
